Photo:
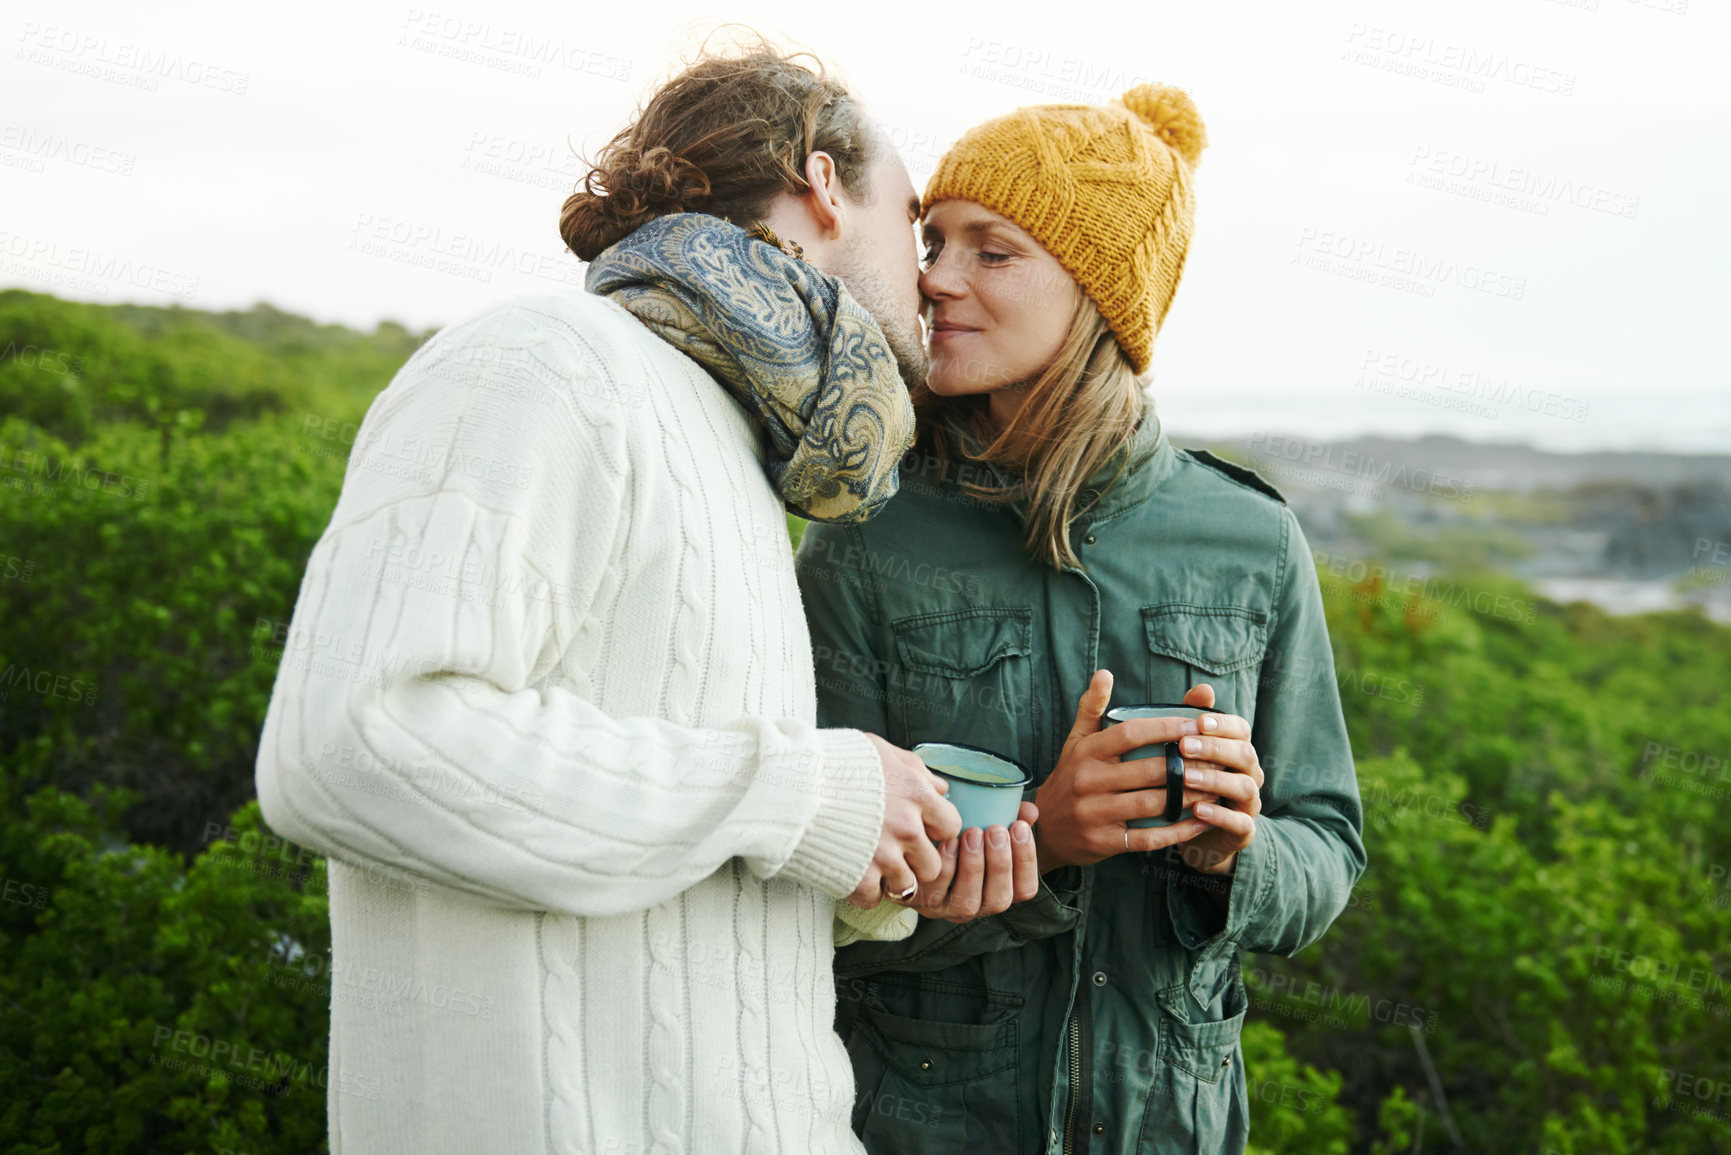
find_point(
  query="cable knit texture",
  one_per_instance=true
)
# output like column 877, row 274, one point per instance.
column 548, row 707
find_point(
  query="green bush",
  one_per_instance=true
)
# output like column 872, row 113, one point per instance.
column 70, row 368
column 1546, row 894
column 142, row 625
column 153, row 1007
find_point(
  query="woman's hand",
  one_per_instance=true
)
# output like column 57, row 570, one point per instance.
column 1222, row 760
column 984, row 872
column 1089, row 798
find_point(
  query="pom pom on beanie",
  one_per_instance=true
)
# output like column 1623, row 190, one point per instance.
column 1172, row 115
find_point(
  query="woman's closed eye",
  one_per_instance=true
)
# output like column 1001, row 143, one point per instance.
column 988, row 257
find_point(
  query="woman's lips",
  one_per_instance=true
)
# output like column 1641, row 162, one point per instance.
column 943, row 332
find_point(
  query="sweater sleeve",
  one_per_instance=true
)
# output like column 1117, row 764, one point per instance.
column 433, row 712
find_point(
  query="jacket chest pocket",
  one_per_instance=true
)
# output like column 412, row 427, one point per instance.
column 1220, row 645
column 966, row 676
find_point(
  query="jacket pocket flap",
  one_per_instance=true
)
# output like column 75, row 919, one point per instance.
column 1218, row 639
column 962, row 643
column 932, row 1053
column 1204, row 1049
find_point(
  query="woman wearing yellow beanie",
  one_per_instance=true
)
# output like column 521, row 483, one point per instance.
column 1051, row 547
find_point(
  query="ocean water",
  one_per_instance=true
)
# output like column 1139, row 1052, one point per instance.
column 1558, row 420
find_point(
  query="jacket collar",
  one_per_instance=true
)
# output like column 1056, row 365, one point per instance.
column 1146, row 460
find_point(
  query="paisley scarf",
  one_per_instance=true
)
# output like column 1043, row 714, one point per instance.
column 789, row 342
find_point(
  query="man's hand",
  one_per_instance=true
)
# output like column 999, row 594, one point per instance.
column 916, row 814
column 984, row 872
column 1088, row 800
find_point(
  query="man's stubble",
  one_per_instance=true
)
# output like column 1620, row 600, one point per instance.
column 869, row 286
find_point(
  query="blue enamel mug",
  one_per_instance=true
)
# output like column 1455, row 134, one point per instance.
column 985, row 788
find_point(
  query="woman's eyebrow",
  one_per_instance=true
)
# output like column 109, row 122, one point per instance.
column 974, row 230
column 994, row 229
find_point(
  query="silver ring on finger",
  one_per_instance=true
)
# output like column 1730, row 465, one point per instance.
column 1126, row 837
column 903, row 896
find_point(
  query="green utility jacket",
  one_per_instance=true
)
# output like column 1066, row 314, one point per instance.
column 1103, row 1015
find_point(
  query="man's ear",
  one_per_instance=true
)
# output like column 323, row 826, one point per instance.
column 823, row 195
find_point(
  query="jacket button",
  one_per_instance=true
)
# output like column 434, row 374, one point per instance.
column 1227, row 1061
column 1099, row 978
column 1099, row 1128
column 925, row 1064
column 1089, row 540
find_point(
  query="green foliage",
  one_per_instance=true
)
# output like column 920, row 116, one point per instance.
column 1293, row 1106
column 148, row 1005
column 1548, row 900
column 163, row 476
column 1547, row 892
column 158, row 574
column 69, row 367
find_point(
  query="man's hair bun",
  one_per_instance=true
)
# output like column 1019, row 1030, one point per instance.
column 626, row 190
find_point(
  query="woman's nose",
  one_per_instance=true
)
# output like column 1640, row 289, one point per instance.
column 939, row 281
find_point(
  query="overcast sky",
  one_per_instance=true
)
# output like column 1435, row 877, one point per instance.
column 1504, row 218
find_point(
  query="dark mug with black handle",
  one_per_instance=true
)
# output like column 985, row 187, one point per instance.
column 1175, row 808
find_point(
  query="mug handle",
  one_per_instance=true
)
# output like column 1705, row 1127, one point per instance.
column 1174, row 783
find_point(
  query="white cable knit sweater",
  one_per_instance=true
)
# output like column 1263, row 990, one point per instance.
column 547, row 704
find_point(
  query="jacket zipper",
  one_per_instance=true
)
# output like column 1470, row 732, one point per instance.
column 1075, row 1084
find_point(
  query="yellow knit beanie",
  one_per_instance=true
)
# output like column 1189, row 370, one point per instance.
column 1108, row 190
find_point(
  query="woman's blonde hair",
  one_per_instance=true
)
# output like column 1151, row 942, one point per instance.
column 1081, row 409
